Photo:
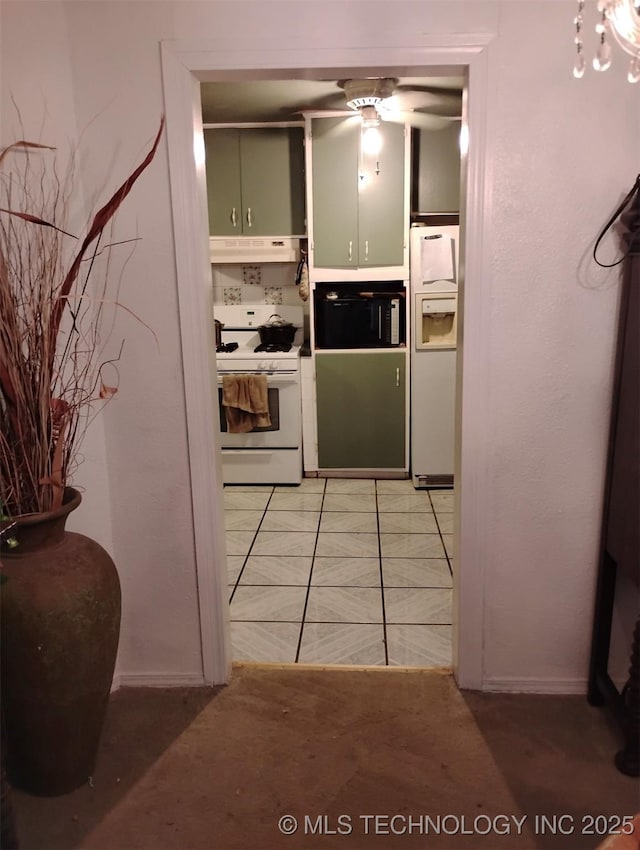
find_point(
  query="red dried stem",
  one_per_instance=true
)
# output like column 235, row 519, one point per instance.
column 50, row 364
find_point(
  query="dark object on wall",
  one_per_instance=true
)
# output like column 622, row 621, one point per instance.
column 60, row 606
column 620, row 547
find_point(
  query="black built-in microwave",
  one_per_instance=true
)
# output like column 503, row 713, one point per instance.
column 360, row 315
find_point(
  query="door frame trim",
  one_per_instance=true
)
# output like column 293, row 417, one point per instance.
column 184, row 66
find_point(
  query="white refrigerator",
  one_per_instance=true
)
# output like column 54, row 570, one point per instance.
column 434, row 301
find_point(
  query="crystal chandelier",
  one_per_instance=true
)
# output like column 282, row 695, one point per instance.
column 617, row 18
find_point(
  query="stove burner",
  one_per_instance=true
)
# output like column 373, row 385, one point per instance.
column 272, row 348
column 227, row 347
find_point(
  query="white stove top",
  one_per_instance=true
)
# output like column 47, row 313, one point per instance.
column 241, row 327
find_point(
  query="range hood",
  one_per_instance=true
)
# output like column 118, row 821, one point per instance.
column 249, row 249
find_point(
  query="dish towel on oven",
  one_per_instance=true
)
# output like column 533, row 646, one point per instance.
column 245, row 399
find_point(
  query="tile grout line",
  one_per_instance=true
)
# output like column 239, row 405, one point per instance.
column 246, row 557
column 435, row 516
column 353, row 586
column 384, row 614
column 313, row 557
column 347, row 623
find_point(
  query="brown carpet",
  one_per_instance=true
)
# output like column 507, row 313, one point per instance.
column 207, row 769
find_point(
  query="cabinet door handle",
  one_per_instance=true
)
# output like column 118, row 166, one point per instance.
column 366, row 250
column 249, row 218
column 234, row 217
column 350, row 250
column 398, row 377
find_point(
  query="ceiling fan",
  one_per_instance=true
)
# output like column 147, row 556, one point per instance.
column 384, row 99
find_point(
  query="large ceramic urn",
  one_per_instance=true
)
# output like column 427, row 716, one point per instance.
column 60, row 624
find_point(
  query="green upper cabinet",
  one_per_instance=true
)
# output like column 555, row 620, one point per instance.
column 358, row 200
column 255, row 181
column 335, row 195
column 361, row 403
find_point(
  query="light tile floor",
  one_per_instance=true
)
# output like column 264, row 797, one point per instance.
column 340, row 571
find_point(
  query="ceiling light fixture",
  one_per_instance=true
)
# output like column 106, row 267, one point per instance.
column 371, row 136
column 370, row 117
column 620, row 18
column 371, row 141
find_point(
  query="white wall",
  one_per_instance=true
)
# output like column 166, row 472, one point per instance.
column 562, row 153
column 40, row 106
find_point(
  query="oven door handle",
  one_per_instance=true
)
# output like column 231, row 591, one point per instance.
column 274, row 380
column 245, row 452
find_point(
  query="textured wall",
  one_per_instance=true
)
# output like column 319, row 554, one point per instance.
column 561, row 153
column 565, row 153
column 39, row 105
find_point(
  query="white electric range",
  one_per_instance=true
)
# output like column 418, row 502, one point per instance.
column 270, row 455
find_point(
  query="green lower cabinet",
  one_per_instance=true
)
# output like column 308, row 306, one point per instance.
column 361, row 410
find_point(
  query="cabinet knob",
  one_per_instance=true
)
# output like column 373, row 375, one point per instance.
column 366, row 250
column 249, row 217
column 398, row 377
column 234, row 217
column 350, row 250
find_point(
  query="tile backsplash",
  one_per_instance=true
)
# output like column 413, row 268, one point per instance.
column 270, row 283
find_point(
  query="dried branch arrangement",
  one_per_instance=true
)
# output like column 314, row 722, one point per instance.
column 53, row 289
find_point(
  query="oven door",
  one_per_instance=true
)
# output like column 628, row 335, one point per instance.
column 283, row 393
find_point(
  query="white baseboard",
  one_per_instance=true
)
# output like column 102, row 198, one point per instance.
column 535, row 686
column 157, row 680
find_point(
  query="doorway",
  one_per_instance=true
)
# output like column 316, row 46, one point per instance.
column 183, row 70
column 339, row 570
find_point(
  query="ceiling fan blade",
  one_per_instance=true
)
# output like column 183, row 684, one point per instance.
column 328, row 113
column 421, row 120
column 405, row 101
column 331, row 101
column 417, row 96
